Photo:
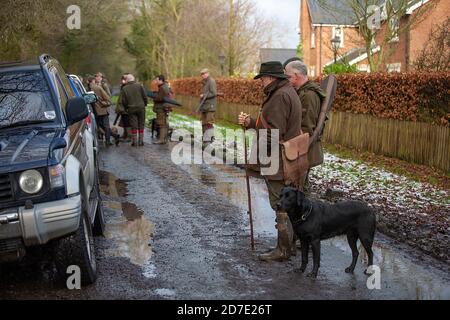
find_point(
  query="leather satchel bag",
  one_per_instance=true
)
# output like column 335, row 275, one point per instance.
column 294, row 154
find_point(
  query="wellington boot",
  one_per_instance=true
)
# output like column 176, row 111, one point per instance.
column 162, row 136
column 141, row 140
column 133, row 140
column 284, row 249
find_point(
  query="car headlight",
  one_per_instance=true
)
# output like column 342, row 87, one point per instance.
column 31, row 181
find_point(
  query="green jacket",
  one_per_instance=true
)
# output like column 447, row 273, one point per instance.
column 311, row 95
column 119, row 107
column 210, row 92
column 133, row 96
column 163, row 92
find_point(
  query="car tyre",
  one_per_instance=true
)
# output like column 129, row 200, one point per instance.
column 78, row 250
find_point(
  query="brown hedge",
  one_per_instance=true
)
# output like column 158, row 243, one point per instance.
column 402, row 96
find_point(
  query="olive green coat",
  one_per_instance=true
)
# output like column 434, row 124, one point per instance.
column 210, row 92
column 119, row 107
column 133, row 97
column 311, row 96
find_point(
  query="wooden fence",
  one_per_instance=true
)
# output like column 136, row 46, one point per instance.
column 415, row 142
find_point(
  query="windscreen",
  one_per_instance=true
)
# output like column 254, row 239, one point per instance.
column 24, row 97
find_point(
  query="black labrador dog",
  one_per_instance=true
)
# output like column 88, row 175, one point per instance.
column 314, row 221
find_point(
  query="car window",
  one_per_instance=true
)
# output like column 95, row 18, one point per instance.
column 25, row 96
column 65, row 81
column 75, row 87
column 60, row 93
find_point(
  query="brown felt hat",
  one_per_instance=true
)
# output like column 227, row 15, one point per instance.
column 271, row 69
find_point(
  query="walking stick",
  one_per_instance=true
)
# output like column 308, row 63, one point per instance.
column 247, row 178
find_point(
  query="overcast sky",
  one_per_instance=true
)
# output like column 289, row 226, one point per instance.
column 286, row 12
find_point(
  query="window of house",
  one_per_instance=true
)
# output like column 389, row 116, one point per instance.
column 394, row 67
column 363, row 67
column 313, row 37
column 338, row 32
column 312, row 71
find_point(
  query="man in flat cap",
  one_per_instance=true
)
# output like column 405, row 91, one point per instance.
column 281, row 110
column 311, row 96
column 208, row 105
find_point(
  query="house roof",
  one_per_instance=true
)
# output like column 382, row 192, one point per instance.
column 274, row 54
column 338, row 12
column 333, row 12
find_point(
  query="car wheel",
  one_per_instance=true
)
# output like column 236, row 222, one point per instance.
column 78, row 250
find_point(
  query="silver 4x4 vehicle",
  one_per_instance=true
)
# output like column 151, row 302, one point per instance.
column 49, row 187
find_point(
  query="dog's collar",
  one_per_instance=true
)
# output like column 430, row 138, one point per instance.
column 304, row 217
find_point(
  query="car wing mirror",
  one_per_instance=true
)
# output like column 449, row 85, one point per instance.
column 76, row 110
column 90, row 97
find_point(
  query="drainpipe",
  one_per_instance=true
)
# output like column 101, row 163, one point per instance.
column 407, row 43
column 320, row 51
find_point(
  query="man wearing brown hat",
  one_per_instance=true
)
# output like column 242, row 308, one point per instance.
column 281, row 110
column 208, row 105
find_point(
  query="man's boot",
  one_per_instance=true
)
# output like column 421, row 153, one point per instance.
column 126, row 136
column 141, row 138
column 284, row 249
column 162, row 136
column 134, row 139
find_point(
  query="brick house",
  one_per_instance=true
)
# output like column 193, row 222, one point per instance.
column 319, row 24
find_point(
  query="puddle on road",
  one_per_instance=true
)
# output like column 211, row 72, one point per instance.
column 127, row 226
column 230, row 182
column 416, row 281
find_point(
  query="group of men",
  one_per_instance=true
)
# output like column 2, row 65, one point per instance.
column 292, row 105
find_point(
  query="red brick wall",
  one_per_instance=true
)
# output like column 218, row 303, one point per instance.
column 322, row 54
column 440, row 10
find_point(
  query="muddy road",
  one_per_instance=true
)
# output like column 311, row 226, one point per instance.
column 181, row 232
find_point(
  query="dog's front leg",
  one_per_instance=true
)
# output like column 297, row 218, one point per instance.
column 305, row 251
column 315, row 244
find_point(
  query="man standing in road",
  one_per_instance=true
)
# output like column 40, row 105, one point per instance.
column 162, row 109
column 102, row 109
column 311, row 96
column 281, row 110
column 208, row 105
column 134, row 100
column 101, row 81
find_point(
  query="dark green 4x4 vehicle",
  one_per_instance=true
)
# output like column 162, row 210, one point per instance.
column 49, row 189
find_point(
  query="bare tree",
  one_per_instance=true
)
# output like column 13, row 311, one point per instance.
column 435, row 56
column 380, row 23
